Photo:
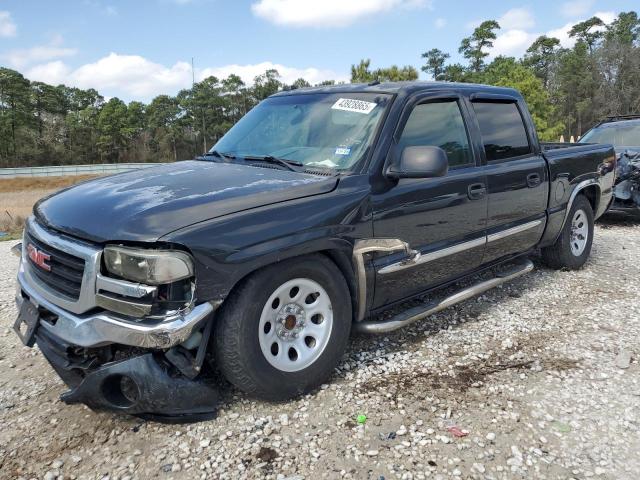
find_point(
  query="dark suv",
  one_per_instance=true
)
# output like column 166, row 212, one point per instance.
column 623, row 132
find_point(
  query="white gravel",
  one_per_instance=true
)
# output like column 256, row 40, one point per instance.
column 538, row 379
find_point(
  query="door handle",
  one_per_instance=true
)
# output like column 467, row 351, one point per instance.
column 476, row 191
column 533, row 180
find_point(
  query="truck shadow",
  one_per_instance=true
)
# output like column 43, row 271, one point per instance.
column 616, row 218
column 368, row 350
column 452, row 318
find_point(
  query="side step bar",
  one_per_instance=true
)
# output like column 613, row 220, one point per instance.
column 418, row 313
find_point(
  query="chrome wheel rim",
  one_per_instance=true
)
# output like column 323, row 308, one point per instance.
column 579, row 233
column 295, row 324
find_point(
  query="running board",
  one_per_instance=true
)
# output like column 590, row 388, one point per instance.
column 418, row 313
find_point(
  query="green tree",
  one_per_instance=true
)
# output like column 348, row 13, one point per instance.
column 590, row 32
column 163, row 117
column 16, row 115
column 361, row 73
column 576, row 86
column 507, row 72
column 474, row 48
column 455, row 73
column 266, row 84
column 112, row 129
column 435, row 63
column 625, row 29
column 541, row 57
column 299, row 83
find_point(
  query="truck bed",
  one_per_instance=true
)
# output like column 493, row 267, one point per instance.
column 567, row 146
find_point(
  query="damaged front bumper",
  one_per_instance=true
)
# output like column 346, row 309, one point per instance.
column 113, row 364
column 95, row 329
column 144, row 384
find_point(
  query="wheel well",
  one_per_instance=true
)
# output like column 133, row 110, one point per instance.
column 343, row 262
column 338, row 257
column 591, row 192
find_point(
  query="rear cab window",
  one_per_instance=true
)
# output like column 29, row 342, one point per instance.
column 504, row 135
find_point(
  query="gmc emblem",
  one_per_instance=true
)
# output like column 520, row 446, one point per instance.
column 38, row 257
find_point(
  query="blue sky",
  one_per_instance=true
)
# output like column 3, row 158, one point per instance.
column 138, row 49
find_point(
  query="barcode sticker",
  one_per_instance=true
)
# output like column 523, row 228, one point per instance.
column 352, row 105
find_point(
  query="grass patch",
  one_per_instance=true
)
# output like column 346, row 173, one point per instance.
column 18, row 195
column 21, row 184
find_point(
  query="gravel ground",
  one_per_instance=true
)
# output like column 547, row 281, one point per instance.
column 538, row 379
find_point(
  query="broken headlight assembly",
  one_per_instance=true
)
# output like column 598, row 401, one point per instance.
column 151, row 267
column 145, row 282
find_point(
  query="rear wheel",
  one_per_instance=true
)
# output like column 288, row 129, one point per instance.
column 284, row 329
column 573, row 246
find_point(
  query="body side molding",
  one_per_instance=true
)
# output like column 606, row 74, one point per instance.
column 420, row 259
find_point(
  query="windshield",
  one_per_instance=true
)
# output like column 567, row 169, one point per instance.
column 619, row 134
column 317, row 130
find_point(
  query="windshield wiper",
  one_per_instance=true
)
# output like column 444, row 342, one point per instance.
column 215, row 153
column 288, row 164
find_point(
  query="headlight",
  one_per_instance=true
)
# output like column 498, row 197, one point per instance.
column 152, row 267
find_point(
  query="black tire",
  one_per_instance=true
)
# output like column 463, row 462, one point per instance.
column 236, row 344
column 560, row 255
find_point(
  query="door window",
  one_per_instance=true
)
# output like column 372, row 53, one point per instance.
column 439, row 124
column 502, row 129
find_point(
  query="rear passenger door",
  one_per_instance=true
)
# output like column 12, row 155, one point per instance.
column 443, row 218
column 517, row 181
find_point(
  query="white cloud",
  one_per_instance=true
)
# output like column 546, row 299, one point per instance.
column 512, row 43
column 7, row 27
column 514, row 37
column 576, row 8
column 515, row 42
column 287, row 74
column 517, row 19
column 53, row 73
column 440, row 23
column 21, row 58
column 606, row 17
column 326, row 13
column 562, row 33
column 135, row 77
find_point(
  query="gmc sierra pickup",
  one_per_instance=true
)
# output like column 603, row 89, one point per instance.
column 317, row 211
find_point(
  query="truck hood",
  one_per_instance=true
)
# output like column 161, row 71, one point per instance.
column 146, row 204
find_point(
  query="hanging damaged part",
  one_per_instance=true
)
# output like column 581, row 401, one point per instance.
column 627, row 188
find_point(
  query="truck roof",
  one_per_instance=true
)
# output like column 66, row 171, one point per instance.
column 399, row 87
column 629, row 119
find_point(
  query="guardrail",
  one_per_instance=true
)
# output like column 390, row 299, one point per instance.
column 69, row 170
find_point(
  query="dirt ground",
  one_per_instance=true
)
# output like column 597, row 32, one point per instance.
column 537, row 379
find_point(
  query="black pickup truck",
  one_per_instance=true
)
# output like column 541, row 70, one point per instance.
column 317, row 211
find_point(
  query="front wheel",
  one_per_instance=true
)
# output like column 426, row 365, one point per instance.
column 573, row 246
column 283, row 330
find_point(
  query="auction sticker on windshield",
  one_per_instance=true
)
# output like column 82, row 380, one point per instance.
column 352, row 105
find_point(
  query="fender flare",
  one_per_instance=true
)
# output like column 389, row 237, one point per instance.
column 578, row 188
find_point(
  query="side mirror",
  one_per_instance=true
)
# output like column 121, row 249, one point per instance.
column 420, row 162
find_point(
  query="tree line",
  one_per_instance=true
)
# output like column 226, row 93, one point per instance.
column 567, row 90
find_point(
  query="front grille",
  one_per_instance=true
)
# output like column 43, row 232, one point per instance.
column 65, row 276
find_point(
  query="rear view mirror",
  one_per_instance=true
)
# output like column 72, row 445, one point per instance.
column 420, row 162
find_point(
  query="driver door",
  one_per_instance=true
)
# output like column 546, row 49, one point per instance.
column 443, row 218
